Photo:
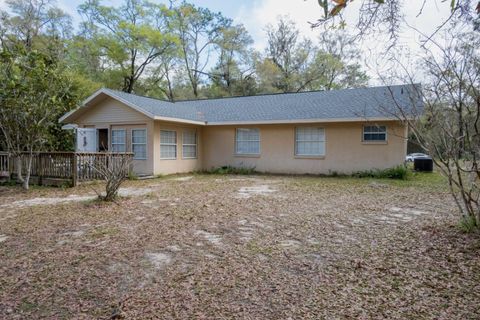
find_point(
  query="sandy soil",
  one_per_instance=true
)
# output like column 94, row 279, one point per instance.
column 250, row 247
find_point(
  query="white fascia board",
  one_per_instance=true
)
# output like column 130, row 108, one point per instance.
column 366, row 119
column 169, row 119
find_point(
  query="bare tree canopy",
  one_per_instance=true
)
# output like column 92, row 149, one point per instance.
column 387, row 16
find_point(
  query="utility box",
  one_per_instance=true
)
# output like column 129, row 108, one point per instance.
column 424, row 164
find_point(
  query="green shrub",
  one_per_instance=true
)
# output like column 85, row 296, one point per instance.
column 132, row 175
column 398, row 172
column 232, row 170
column 468, row 224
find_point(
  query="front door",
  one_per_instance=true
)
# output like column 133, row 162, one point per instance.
column 102, row 140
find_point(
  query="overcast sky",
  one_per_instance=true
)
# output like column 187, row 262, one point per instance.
column 255, row 14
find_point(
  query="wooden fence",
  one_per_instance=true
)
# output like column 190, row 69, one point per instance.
column 73, row 166
column 4, row 163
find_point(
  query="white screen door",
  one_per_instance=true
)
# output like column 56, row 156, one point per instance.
column 86, row 140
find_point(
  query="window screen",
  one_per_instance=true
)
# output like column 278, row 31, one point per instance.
column 309, row 141
column 118, row 140
column 247, row 141
column 189, row 144
column 374, row 133
column 139, row 144
column 168, row 144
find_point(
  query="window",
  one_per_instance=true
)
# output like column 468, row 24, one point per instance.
column 189, row 144
column 139, row 144
column 118, row 140
column 168, row 144
column 247, row 141
column 374, row 133
column 309, row 141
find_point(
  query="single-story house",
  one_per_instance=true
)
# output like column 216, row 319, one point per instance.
column 317, row 132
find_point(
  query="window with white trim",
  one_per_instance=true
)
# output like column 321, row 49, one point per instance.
column 168, row 144
column 139, row 144
column 309, row 141
column 247, row 141
column 374, row 133
column 119, row 143
column 189, row 147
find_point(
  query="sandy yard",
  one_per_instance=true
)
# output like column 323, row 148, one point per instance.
column 228, row 247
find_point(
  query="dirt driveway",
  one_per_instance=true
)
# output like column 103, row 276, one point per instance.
column 229, row 247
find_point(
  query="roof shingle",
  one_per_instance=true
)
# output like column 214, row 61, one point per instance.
column 374, row 102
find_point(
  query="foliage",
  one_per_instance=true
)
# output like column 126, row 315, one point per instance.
column 468, row 224
column 233, row 73
column 294, row 64
column 31, row 105
column 399, row 172
column 232, row 170
column 199, row 30
column 34, row 24
column 178, row 52
column 131, row 37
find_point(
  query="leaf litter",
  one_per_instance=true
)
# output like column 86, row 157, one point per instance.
column 328, row 248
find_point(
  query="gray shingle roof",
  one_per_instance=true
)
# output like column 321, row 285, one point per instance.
column 375, row 102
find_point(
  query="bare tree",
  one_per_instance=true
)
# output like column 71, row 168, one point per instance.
column 450, row 126
column 114, row 169
column 387, row 17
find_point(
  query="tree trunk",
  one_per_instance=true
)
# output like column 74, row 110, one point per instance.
column 26, row 182
column 18, row 160
column 460, row 134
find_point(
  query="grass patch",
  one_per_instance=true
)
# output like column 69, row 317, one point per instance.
column 231, row 170
column 398, row 172
column 468, row 224
column 101, row 232
column 132, row 176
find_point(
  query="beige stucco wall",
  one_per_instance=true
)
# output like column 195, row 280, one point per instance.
column 344, row 150
column 109, row 110
column 178, row 165
column 112, row 114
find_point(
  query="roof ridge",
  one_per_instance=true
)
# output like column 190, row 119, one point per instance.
column 263, row 94
column 138, row 95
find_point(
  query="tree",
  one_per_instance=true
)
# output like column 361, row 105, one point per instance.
column 199, row 30
column 114, row 169
column 131, row 37
column 387, row 16
column 233, row 67
column 30, row 105
column 293, row 64
column 33, row 23
column 160, row 81
column 450, row 127
column 334, row 65
column 288, row 53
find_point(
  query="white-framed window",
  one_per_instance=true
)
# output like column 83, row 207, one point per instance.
column 168, row 144
column 189, row 147
column 309, row 141
column 139, row 144
column 374, row 133
column 247, row 141
column 119, row 140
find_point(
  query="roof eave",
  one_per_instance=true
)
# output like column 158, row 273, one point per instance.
column 179, row 120
column 292, row 121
